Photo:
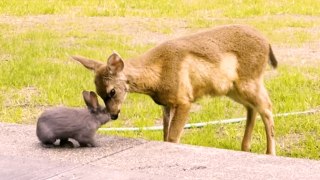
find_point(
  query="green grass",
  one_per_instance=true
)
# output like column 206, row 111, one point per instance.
column 36, row 71
column 44, row 53
column 161, row 8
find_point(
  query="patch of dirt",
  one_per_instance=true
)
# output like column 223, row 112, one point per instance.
column 20, row 102
column 20, row 97
column 5, row 57
column 290, row 140
column 143, row 30
column 307, row 54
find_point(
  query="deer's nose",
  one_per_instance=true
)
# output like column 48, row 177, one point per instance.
column 114, row 116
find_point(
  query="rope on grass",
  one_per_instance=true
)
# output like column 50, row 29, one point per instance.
column 202, row 124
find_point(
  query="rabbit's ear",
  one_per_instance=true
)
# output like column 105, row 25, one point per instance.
column 87, row 99
column 94, row 100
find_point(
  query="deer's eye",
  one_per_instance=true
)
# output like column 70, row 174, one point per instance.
column 112, row 93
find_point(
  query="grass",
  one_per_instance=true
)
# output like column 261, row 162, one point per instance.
column 280, row 29
column 36, row 71
column 161, row 8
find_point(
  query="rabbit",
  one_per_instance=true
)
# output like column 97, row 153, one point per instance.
column 79, row 124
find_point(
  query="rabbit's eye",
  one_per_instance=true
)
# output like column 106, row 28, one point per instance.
column 112, row 93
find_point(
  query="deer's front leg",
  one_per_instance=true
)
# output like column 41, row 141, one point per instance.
column 166, row 122
column 178, row 121
column 168, row 113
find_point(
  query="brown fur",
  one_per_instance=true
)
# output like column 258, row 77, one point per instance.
column 227, row 60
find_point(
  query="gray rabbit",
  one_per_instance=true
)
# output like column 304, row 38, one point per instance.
column 79, row 124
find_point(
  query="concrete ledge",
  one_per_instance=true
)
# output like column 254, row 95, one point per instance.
column 22, row 157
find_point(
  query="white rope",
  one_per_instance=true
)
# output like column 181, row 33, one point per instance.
column 202, row 124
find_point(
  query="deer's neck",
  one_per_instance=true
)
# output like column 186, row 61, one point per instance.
column 142, row 77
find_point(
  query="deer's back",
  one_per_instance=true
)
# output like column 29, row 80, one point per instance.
column 242, row 41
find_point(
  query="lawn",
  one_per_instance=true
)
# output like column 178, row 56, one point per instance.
column 37, row 37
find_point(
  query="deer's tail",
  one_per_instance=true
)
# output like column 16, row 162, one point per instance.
column 272, row 58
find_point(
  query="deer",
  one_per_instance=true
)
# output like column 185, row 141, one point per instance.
column 228, row 60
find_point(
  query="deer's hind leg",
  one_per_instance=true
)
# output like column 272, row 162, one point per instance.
column 264, row 108
column 250, row 120
column 253, row 95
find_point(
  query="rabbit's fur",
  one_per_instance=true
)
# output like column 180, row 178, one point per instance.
column 79, row 124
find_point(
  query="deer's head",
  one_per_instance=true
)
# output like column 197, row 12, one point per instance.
column 110, row 81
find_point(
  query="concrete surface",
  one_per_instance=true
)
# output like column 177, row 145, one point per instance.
column 22, row 157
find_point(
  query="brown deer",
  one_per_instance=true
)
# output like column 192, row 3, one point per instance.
column 226, row 60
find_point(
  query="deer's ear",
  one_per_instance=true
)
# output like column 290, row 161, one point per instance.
column 88, row 63
column 115, row 63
